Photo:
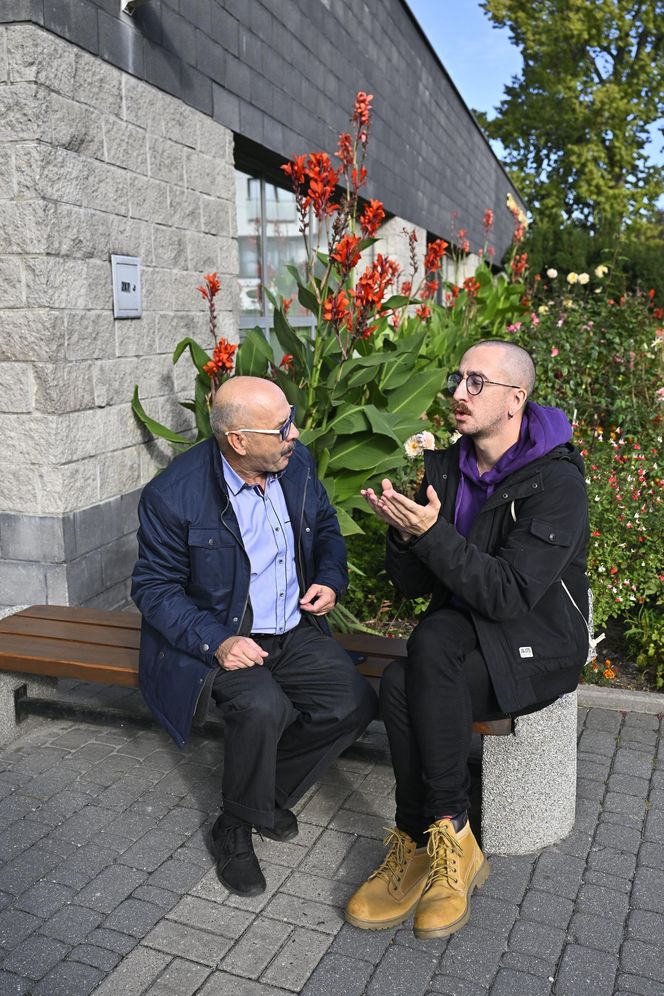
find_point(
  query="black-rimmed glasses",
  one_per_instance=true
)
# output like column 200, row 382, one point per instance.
column 474, row 383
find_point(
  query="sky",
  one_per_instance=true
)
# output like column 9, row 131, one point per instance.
column 479, row 58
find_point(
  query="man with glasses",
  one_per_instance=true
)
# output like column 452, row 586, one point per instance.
column 497, row 538
column 240, row 559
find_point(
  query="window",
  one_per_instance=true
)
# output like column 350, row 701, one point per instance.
column 269, row 240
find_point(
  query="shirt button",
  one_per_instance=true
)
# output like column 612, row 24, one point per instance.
column 205, row 647
column 307, row 529
column 210, row 542
column 534, row 486
column 552, row 536
column 235, row 619
column 281, row 594
column 281, row 560
column 505, row 494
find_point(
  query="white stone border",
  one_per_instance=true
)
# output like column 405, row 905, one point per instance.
column 621, row 700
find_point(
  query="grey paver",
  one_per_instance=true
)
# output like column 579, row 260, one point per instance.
column 256, row 948
column 35, row 956
column 15, row 926
column 512, row 983
column 151, row 850
column 585, row 972
column 224, row 984
column 44, row 898
column 363, row 945
column 558, row 873
column 135, row 973
column 207, row 915
column 450, row 986
column 72, row 923
column 473, row 954
column 648, row 890
column 646, row 926
column 188, row 942
column 643, row 959
column 638, row 984
column 296, row 959
column 134, row 916
column 536, row 939
column 14, row 985
column 305, row 913
column 397, row 975
column 544, row 907
column 110, row 887
column 341, row 975
column 181, row 978
column 602, row 901
column 90, row 954
column 590, row 930
column 67, row 978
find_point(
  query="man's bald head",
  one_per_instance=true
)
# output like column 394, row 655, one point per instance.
column 516, row 364
column 242, row 401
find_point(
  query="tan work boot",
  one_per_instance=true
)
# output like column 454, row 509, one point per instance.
column 392, row 890
column 457, row 867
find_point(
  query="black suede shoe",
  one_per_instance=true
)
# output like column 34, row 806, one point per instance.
column 237, row 865
column 285, row 826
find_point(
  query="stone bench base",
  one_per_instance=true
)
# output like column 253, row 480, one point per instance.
column 529, row 781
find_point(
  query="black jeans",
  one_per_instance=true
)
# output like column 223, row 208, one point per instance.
column 429, row 704
column 286, row 720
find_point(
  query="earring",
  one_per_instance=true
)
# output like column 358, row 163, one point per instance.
column 510, row 414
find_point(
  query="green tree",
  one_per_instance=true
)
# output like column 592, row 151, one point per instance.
column 575, row 123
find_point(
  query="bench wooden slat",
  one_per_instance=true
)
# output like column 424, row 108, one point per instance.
column 41, row 627
column 60, row 659
column 97, row 645
column 76, row 613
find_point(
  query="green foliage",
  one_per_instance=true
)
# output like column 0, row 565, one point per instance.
column 645, row 635
column 575, row 122
column 596, row 356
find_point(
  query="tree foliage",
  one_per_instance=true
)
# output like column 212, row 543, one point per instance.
column 575, row 123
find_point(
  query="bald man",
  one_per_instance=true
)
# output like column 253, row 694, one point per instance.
column 497, row 539
column 240, row 560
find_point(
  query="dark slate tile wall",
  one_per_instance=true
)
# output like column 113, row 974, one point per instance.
column 283, row 73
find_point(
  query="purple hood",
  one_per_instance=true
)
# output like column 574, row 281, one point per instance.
column 542, row 429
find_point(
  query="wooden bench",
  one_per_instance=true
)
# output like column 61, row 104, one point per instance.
column 61, row 641
column 530, row 773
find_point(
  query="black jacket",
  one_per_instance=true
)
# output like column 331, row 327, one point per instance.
column 531, row 533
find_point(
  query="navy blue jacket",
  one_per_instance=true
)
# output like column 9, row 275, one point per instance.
column 191, row 579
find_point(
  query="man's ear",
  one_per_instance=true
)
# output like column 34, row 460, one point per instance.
column 236, row 443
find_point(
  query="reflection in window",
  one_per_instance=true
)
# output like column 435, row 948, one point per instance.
column 269, row 240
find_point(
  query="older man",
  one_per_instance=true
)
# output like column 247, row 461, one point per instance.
column 497, row 538
column 240, row 559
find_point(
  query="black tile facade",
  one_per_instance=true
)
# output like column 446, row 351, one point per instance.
column 283, row 74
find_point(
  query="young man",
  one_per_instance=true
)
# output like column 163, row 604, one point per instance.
column 240, row 559
column 498, row 539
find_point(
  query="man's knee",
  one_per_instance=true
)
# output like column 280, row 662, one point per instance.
column 392, row 685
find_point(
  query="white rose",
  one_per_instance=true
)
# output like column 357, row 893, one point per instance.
column 551, row 273
column 583, row 278
column 572, row 277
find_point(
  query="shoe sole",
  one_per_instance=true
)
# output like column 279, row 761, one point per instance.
column 289, row 835
column 480, row 878
column 394, row 921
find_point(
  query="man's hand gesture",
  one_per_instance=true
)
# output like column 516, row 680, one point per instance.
column 403, row 514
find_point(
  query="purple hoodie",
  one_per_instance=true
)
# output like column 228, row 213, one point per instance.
column 542, row 429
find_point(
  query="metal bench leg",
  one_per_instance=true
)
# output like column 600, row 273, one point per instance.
column 9, row 685
column 529, row 781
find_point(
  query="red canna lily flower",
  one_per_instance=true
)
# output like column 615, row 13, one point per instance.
column 322, row 182
column 286, row 361
column 345, row 150
column 372, row 218
column 222, row 358
column 212, row 286
column 346, row 253
column 434, row 255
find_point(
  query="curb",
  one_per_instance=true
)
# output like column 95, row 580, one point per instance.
column 596, row 697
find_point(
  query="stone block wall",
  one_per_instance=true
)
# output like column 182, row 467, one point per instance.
column 95, row 162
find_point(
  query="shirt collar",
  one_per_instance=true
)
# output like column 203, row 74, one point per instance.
column 235, row 483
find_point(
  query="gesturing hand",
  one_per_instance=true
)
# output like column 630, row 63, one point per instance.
column 239, row 651
column 403, row 514
column 318, row 599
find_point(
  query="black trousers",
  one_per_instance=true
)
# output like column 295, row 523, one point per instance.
column 429, row 703
column 286, row 720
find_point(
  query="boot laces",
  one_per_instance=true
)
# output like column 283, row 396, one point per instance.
column 443, row 850
column 395, row 859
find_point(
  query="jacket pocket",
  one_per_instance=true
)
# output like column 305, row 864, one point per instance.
column 550, row 534
column 209, row 538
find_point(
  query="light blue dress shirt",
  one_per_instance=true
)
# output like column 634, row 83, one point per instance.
column 268, row 539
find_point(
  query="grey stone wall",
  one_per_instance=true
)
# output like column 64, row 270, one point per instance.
column 283, row 73
column 95, row 162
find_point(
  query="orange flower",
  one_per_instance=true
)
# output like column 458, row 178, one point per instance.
column 471, row 286
column 212, row 286
column 434, row 255
column 362, row 115
column 345, row 150
column 423, row 312
column 519, row 265
column 295, row 169
column 335, row 309
column 222, row 358
column 372, row 218
column 488, row 220
column 286, row 303
column 430, row 288
column 322, row 182
column 286, row 361
column 347, row 254
column 609, row 673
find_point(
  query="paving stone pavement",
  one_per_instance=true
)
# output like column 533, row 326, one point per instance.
column 107, row 887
